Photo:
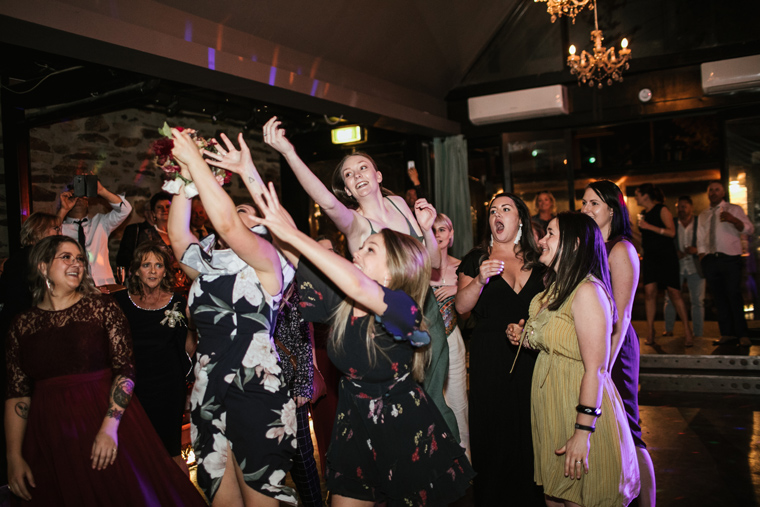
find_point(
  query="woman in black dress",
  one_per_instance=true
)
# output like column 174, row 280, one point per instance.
column 390, row 443
column 497, row 281
column 659, row 268
column 162, row 341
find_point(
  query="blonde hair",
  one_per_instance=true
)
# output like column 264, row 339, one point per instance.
column 441, row 219
column 409, row 268
column 36, row 226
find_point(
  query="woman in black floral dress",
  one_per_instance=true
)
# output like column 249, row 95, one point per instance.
column 390, row 443
column 243, row 419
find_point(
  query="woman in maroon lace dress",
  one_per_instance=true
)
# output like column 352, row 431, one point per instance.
column 71, row 440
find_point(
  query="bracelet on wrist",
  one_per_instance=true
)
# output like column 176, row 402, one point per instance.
column 583, row 409
column 583, row 427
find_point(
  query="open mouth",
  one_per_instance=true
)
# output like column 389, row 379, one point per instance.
column 362, row 185
column 498, row 227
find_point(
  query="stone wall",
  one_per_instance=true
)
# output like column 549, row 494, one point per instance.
column 115, row 147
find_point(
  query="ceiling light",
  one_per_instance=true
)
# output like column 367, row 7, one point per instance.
column 349, row 135
column 569, row 8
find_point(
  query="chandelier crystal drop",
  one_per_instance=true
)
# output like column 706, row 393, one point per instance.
column 569, row 8
column 601, row 66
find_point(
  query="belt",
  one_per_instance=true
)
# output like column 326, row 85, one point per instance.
column 720, row 254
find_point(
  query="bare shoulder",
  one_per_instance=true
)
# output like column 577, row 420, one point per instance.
column 622, row 251
column 589, row 295
column 400, row 203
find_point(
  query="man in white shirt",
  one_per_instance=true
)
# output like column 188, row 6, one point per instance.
column 720, row 248
column 93, row 231
column 690, row 268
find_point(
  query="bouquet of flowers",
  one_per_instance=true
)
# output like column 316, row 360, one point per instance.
column 162, row 149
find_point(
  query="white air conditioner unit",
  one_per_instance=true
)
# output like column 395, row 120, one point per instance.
column 518, row 105
column 731, row 75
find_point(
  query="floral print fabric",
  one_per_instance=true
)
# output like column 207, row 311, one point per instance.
column 390, row 442
column 239, row 396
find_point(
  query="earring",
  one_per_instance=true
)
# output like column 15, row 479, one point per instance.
column 519, row 234
column 47, row 282
column 490, row 243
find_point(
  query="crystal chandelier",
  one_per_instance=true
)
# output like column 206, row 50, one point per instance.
column 603, row 65
column 570, row 8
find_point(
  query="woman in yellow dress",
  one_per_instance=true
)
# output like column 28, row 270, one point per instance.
column 584, row 453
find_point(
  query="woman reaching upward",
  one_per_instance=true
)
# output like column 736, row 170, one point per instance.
column 359, row 181
column 390, row 443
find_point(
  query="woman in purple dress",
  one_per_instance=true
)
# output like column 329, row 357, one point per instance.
column 71, row 440
column 603, row 201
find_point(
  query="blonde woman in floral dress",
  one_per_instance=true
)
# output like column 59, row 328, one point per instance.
column 243, row 419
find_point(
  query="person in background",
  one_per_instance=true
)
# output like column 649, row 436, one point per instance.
column 131, row 235
column 292, row 336
column 75, row 436
column 163, row 343
column 690, row 269
column 719, row 247
column 497, row 281
column 199, row 222
column 604, row 203
column 92, row 233
column 573, row 395
column 444, row 282
column 659, row 268
column 416, row 192
column 546, row 207
column 323, row 409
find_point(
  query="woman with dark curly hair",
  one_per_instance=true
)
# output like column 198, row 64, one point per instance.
column 496, row 283
column 71, row 439
column 163, row 342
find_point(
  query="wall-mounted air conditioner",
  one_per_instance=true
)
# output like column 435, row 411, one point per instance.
column 518, row 105
column 731, row 75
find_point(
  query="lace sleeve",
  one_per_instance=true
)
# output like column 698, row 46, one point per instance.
column 119, row 339
column 19, row 383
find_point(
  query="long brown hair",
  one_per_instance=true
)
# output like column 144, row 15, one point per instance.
column 141, row 252
column 409, row 268
column 339, row 185
column 580, row 253
column 43, row 253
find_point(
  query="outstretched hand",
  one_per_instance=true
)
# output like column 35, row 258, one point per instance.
column 425, row 213
column 274, row 136
column 231, row 159
column 185, row 150
column 275, row 217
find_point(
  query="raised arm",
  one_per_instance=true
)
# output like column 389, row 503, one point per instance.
column 178, row 226
column 593, row 325
column 425, row 214
column 253, row 249
column 343, row 217
column 624, row 271
column 355, row 284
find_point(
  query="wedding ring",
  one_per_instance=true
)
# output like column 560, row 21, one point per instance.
column 579, row 462
column 114, row 450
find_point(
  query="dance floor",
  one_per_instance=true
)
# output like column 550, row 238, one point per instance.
column 705, row 446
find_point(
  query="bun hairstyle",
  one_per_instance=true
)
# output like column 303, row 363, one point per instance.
column 652, row 191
